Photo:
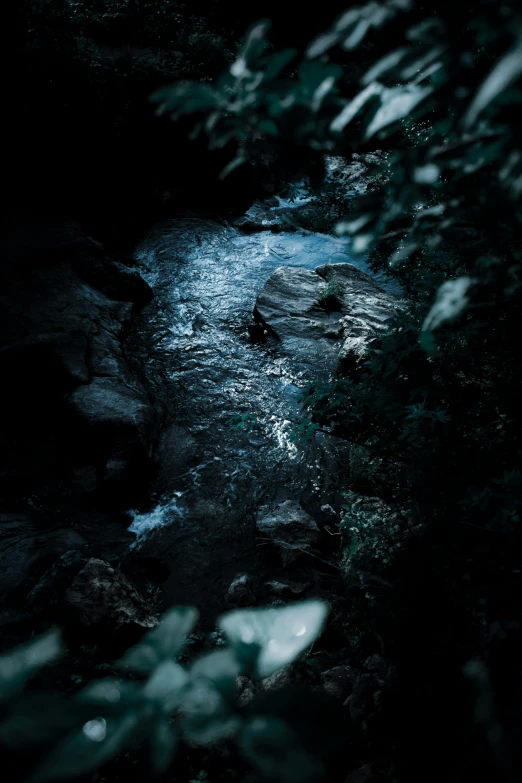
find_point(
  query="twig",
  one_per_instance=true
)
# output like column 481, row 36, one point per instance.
column 300, row 549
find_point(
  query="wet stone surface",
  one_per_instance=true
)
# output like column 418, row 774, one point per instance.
column 229, row 405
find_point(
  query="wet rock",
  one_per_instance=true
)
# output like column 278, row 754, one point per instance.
column 381, row 668
column 61, row 344
column 286, row 589
column 114, row 279
column 103, row 598
column 257, row 332
column 27, row 550
column 56, row 579
column 289, row 527
column 241, row 591
column 362, row 775
column 366, row 309
column 280, row 679
column 339, row 681
column 245, row 691
column 356, row 173
column 324, row 315
column 84, row 480
column 116, row 412
column 260, row 217
column 360, row 702
column 176, row 452
column 379, row 533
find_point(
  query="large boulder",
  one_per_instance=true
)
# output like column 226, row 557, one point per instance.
column 338, row 682
column 73, row 402
column 103, row 598
column 289, row 527
column 27, row 549
column 365, row 308
column 241, row 591
column 324, row 315
column 378, row 534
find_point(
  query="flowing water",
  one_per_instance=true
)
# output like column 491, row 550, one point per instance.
column 229, row 406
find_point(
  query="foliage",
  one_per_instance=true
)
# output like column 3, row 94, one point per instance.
column 160, row 702
column 330, row 295
column 444, row 220
column 246, row 421
column 371, row 534
column 162, row 24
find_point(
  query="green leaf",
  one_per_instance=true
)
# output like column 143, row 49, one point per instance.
column 276, row 62
column 164, row 642
column 505, row 72
column 426, row 31
column 281, row 633
column 184, row 98
column 255, row 44
column 220, row 667
column 355, row 106
column 234, row 164
column 384, row 65
column 163, row 744
column 110, row 691
column 344, row 227
column 21, row 663
column 321, row 44
column 93, row 745
column 451, row 301
column 274, row 750
column 313, row 74
column 396, row 104
column 165, row 685
column 204, row 714
column 413, row 69
column 268, row 126
column 40, row 719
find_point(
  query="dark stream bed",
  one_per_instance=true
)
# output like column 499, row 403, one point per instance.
column 229, row 406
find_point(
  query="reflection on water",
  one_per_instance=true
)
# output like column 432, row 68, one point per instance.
column 194, row 345
column 163, row 514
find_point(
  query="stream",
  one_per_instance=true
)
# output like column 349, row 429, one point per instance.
column 229, row 406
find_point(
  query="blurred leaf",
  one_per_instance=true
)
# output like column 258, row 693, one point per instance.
column 276, row 62
column 204, row 714
column 110, row 694
column 163, row 743
column 220, row 667
column 239, row 160
column 255, row 44
column 413, row 69
column 504, row 73
column 344, row 227
column 450, row 302
column 426, row 31
column 184, row 98
column 274, row 749
column 267, row 125
column 321, row 44
column 384, row 65
column 162, row 643
column 353, row 108
column 21, row 663
column 165, row 685
column 396, row 104
column 428, row 343
column 40, row 718
column 93, row 745
column 313, row 74
column 281, row 633
column 403, row 251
